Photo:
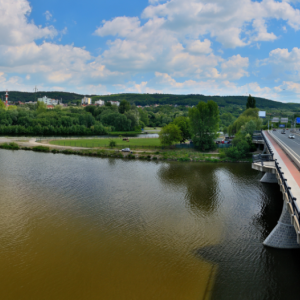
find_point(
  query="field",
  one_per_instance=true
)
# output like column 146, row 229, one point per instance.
column 142, row 143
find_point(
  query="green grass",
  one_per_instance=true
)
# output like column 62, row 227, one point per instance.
column 152, row 128
column 94, row 143
column 125, row 133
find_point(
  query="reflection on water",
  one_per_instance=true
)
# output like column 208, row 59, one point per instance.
column 88, row 228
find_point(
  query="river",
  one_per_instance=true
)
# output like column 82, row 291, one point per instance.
column 77, row 228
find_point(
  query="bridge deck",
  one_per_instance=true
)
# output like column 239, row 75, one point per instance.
column 291, row 173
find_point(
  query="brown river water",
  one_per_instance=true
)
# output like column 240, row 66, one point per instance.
column 74, row 228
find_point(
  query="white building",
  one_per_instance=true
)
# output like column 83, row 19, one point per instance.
column 48, row 101
column 86, row 100
column 114, row 103
column 100, row 102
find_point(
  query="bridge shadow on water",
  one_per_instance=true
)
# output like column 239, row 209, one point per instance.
column 248, row 210
column 246, row 268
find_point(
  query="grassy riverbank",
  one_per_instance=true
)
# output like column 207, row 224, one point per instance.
column 104, row 142
column 184, row 155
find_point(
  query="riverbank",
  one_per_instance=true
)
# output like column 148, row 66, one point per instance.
column 183, row 155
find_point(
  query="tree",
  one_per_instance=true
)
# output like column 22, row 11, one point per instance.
column 41, row 107
column 204, row 122
column 124, row 106
column 184, row 126
column 251, row 103
column 2, row 105
column 170, row 134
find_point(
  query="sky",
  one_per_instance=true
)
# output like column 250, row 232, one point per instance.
column 210, row 47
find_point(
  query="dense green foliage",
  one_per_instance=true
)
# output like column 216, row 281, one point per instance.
column 183, row 124
column 251, row 102
column 170, row 134
column 251, row 114
column 243, row 129
column 10, row 146
column 204, row 122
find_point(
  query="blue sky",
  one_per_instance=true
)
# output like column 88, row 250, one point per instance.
column 211, row 47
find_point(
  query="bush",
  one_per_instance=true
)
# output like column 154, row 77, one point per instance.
column 222, row 154
column 26, row 148
column 142, row 157
column 112, row 143
column 148, row 156
column 41, row 149
column 10, row 146
column 154, row 158
column 131, row 156
column 184, row 159
column 55, row 151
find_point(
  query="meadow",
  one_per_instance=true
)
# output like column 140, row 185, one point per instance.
column 142, row 143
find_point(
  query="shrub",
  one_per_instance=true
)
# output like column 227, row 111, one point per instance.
column 55, row 151
column 222, row 154
column 141, row 157
column 131, row 156
column 66, row 151
column 148, row 156
column 10, row 146
column 112, row 143
column 41, row 149
column 26, row 148
column 154, row 158
column 184, row 159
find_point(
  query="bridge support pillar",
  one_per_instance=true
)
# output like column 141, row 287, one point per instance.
column 283, row 236
column 269, row 178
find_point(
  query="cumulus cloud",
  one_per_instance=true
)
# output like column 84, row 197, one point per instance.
column 14, row 27
column 284, row 62
column 153, row 48
column 48, row 15
column 225, row 20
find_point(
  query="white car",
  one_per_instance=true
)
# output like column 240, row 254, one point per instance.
column 291, row 136
column 126, row 150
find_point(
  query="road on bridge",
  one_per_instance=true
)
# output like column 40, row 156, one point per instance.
column 293, row 144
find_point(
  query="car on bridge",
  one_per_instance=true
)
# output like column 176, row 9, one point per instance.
column 283, row 132
column 291, row 136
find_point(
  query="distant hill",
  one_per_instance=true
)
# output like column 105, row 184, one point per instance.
column 26, row 97
column 150, row 99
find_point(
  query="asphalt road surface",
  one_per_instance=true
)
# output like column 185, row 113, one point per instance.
column 293, row 144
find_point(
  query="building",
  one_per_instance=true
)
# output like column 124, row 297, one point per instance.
column 100, row 102
column 48, row 101
column 114, row 103
column 86, row 100
column 50, row 106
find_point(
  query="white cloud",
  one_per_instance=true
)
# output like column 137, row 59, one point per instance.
column 14, row 26
column 226, row 20
column 284, row 62
column 198, row 47
column 48, row 15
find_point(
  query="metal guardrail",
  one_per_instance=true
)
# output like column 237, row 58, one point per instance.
column 262, row 158
column 287, row 189
column 257, row 138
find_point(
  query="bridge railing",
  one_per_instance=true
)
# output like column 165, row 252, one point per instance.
column 287, row 189
column 257, row 138
column 262, row 158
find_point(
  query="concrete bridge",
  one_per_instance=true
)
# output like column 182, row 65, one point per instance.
column 280, row 161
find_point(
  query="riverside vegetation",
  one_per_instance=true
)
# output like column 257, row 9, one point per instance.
column 200, row 124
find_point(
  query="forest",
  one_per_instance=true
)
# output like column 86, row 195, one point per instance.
column 231, row 102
